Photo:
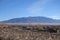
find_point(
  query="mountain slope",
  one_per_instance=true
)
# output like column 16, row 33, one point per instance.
column 32, row 20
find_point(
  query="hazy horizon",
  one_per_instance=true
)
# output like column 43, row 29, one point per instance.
column 28, row 16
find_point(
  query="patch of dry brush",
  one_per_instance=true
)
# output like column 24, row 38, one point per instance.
column 29, row 32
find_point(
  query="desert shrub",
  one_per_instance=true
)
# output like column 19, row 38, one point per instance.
column 1, row 38
column 52, row 30
column 9, row 39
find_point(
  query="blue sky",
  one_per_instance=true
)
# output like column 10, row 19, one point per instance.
column 23, row 8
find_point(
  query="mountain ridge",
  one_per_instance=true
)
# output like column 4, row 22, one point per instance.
column 38, row 19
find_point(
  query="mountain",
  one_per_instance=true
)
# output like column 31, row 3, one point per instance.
column 32, row 20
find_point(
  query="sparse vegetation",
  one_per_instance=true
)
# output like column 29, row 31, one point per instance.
column 29, row 32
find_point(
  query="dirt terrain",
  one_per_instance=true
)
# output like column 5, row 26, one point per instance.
column 29, row 32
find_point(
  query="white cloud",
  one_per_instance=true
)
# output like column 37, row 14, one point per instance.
column 37, row 7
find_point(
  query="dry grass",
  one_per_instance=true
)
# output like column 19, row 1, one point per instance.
column 29, row 32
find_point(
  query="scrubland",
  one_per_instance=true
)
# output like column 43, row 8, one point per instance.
column 29, row 32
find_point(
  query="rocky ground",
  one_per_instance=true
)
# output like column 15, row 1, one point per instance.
column 29, row 32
